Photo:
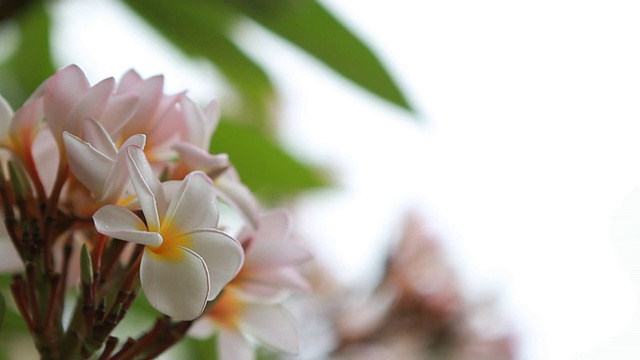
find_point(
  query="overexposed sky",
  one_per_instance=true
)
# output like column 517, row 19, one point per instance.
column 526, row 156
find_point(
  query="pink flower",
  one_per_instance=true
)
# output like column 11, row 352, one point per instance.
column 248, row 308
column 271, row 258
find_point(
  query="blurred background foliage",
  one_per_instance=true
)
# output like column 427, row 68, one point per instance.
column 207, row 29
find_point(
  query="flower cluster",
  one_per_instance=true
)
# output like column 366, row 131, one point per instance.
column 417, row 310
column 101, row 185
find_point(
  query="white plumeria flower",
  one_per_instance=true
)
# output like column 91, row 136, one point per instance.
column 239, row 321
column 186, row 261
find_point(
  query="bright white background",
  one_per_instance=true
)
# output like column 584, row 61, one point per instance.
column 525, row 157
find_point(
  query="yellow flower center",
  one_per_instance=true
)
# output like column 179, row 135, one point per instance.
column 227, row 309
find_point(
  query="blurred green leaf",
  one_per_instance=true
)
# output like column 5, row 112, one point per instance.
column 307, row 24
column 202, row 349
column 3, row 309
column 264, row 166
column 201, row 28
column 31, row 63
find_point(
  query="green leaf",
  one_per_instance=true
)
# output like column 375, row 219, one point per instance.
column 263, row 165
column 205, row 349
column 310, row 26
column 31, row 63
column 3, row 309
column 202, row 28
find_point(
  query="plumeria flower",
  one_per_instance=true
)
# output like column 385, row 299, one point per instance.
column 247, row 309
column 157, row 115
column 98, row 164
column 186, row 260
column 271, row 258
column 194, row 149
column 69, row 100
column 240, row 321
column 233, row 192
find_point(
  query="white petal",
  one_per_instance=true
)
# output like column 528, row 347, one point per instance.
column 203, row 328
column 120, row 223
column 233, row 346
column 240, row 198
column 276, row 254
column 175, row 287
column 222, row 254
column 97, row 136
column 272, row 325
column 118, row 177
column 145, row 182
column 194, row 205
column 90, row 166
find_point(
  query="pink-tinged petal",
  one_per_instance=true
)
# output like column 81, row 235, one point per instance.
column 272, row 325
column 239, row 197
column 276, row 254
column 118, row 112
column 212, row 119
column 146, row 185
column 203, row 328
column 90, row 166
column 175, row 287
column 97, row 136
column 149, row 92
column 194, row 206
column 120, row 223
column 129, row 81
column 26, row 124
column 6, row 114
column 64, row 90
column 90, row 105
column 260, row 291
column 222, row 254
column 47, row 157
column 233, row 346
column 280, row 279
column 197, row 159
column 168, row 128
column 195, row 125
column 274, row 226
